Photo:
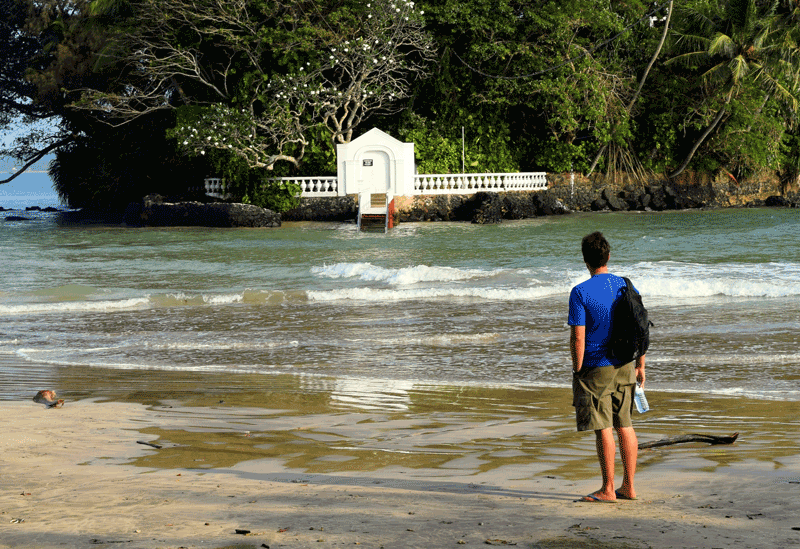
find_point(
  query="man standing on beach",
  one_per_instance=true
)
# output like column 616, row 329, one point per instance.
column 602, row 390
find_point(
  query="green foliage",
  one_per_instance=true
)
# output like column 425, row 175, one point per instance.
column 484, row 149
column 533, row 85
column 253, row 186
column 278, row 196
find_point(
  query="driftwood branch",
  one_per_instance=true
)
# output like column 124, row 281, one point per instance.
column 680, row 439
column 148, row 444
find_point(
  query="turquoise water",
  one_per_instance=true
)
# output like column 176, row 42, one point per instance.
column 432, row 303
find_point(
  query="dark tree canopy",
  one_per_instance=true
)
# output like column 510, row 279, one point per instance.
column 150, row 95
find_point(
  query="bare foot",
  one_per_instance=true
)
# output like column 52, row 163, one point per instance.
column 623, row 495
column 598, row 497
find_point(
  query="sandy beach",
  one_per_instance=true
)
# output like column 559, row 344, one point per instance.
column 231, row 475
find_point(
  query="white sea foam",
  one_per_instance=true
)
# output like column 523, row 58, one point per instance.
column 75, row 306
column 371, row 295
column 402, row 276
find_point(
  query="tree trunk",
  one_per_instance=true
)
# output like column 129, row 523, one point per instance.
column 641, row 82
column 700, row 141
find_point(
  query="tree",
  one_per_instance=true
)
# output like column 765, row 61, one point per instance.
column 734, row 46
column 553, row 77
column 39, row 129
column 254, row 78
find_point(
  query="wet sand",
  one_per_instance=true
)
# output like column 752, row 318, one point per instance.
column 281, row 463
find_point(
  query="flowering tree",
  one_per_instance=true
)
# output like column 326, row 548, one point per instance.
column 266, row 73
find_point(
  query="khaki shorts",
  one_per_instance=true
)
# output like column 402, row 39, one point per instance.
column 603, row 396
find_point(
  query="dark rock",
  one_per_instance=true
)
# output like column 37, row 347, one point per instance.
column 658, row 198
column 599, row 205
column 614, row 201
column 548, row 204
column 338, row 208
column 520, row 205
column 488, row 208
column 33, row 209
column 16, row 218
column 438, row 208
column 777, row 202
column 154, row 212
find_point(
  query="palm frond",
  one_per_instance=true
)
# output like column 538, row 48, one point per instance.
column 722, row 44
column 739, row 68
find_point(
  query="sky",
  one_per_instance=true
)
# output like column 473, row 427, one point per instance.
column 28, row 189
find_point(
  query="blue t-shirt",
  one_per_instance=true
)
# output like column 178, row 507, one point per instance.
column 590, row 305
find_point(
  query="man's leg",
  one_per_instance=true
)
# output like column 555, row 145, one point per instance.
column 606, row 450
column 629, row 450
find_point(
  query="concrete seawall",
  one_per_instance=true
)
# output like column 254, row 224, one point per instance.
column 568, row 193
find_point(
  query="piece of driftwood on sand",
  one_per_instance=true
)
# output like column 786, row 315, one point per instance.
column 680, row 439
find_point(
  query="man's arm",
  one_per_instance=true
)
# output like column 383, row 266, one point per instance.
column 640, row 370
column 577, row 346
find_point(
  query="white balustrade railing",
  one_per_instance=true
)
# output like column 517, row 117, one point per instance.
column 460, row 183
column 215, row 186
column 469, row 183
column 326, row 185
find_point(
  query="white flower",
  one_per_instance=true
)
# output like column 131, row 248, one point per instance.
column 369, row 16
column 185, row 142
column 422, row 13
column 202, row 152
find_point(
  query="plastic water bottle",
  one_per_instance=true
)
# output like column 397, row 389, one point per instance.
column 640, row 399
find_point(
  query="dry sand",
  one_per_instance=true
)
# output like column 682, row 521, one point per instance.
column 240, row 477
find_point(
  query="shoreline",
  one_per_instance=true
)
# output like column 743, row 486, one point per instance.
column 296, row 472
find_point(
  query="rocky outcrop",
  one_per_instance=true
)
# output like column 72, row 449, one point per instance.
column 337, row 208
column 690, row 190
column 566, row 193
column 153, row 211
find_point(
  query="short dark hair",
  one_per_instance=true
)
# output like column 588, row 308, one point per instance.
column 595, row 250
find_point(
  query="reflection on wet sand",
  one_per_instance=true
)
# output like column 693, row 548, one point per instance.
column 321, row 425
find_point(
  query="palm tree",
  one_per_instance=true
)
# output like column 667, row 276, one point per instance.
column 735, row 44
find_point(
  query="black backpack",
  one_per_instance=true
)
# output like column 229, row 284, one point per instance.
column 630, row 327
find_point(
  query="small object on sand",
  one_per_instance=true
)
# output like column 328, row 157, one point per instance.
column 241, row 531
column 680, row 439
column 49, row 399
column 148, row 444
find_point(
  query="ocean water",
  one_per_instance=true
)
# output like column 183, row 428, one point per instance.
column 27, row 190
column 372, row 315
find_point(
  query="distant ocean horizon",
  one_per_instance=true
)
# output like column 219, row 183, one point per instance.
column 29, row 190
